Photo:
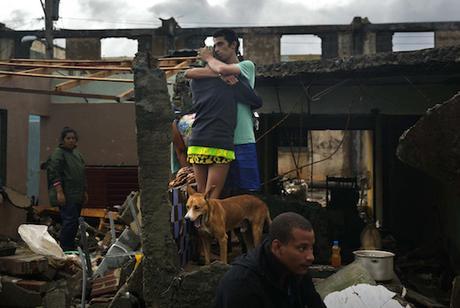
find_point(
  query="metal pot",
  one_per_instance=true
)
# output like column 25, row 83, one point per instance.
column 377, row 262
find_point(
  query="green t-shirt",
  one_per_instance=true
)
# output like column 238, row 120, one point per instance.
column 244, row 131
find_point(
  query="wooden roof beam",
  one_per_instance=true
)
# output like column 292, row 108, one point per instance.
column 74, row 83
column 69, row 67
column 66, row 77
column 181, row 66
column 126, row 95
column 59, row 93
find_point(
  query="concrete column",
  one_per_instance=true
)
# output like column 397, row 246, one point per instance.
column 190, row 42
column 329, row 45
column 22, row 50
column 160, row 46
column 384, row 42
column 369, row 44
column 6, row 48
column 344, row 44
column 83, row 48
column 144, row 44
column 355, row 43
column 262, row 49
column 446, row 38
column 378, row 167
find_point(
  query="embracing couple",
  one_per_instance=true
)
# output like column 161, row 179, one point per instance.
column 222, row 144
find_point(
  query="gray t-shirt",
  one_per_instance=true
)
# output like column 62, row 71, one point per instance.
column 215, row 105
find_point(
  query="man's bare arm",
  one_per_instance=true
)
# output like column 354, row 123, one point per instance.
column 218, row 66
column 200, row 72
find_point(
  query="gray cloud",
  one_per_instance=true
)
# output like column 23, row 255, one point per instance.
column 272, row 12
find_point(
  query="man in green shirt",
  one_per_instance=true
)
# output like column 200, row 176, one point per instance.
column 223, row 60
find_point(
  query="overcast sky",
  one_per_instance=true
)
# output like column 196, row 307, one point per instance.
column 100, row 14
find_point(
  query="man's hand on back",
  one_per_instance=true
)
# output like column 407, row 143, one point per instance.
column 230, row 79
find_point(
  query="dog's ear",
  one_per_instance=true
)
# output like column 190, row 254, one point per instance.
column 208, row 192
column 190, row 190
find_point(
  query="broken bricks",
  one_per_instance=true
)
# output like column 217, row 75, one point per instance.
column 23, row 264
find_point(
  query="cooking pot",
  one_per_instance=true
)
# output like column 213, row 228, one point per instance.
column 377, row 262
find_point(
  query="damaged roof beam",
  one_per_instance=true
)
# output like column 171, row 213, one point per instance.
column 69, row 67
column 74, row 83
column 66, row 77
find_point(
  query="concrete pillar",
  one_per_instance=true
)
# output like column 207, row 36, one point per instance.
column 160, row 46
column 153, row 122
column 83, row 48
column 144, row 44
column 355, row 43
column 6, row 48
column 369, row 44
column 344, row 44
column 329, row 45
column 359, row 41
column 22, row 50
column 262, row 49
column 164, row 42
column 190, row 42
column 446, row 38
column 378, row 167
column 384, row 42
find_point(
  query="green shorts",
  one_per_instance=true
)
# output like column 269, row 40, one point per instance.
column 207, row 156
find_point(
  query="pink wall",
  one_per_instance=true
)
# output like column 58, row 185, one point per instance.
column 107, row 133
column 19, row 107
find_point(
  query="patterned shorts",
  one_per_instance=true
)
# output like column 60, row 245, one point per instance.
column 208, row 156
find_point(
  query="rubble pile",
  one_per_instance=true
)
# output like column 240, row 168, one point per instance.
column 106, row 271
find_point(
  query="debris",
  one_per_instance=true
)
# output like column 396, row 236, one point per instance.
column 184, row 176
column 28, row 264
column 419, row 146
column 40, row 241
column 7, row 247
column 421, row 299
column 349, row 275
column 106, row 284
column 362, row 296
column 13, row 295
column 120, row 252
column 455, row 296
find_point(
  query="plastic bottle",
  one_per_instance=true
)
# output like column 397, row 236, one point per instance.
column 336, row 259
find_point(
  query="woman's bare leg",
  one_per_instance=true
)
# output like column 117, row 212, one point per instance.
column 217, row 174
column 201, row 176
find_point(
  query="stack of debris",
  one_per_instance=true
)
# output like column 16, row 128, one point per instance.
column 105, row 272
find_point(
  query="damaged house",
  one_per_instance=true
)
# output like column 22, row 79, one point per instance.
column 335, row 123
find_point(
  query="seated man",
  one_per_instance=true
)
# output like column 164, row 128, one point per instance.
column 275, row 274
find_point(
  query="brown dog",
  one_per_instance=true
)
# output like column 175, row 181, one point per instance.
column 214, row 217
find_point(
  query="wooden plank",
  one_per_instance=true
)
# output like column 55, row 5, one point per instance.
column 182, row 65
column 69, row 67
column 33, row 70
column 59, row 93
column 85, row 212
column 66, row 77
column 168, row 68
column 177, row 58
column 34, row 285
column 73, row 83
column 93, row 62
column 126, row 95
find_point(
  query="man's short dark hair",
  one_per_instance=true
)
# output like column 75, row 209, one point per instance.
column 283, row 224
column 230, row 36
